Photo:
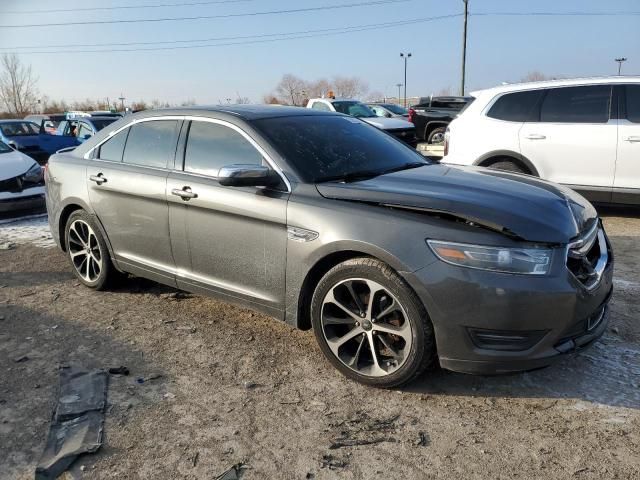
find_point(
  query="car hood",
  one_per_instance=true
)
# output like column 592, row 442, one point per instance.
column 13, row 164
column 388, row 123
column 516, row 205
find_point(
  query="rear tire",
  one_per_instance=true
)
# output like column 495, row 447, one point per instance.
column 508, row 166
column 362, row 306
column 87, row 251
column 436, row 137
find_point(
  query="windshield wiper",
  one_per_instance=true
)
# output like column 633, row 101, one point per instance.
column 367, row 174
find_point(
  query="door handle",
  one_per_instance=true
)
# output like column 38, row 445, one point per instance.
column 185, row 193
column 99, row 178
column 633, row 139
column 535, row 136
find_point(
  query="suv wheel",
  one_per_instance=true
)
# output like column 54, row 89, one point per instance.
column 507, row 165
column 87, row 251
column 370, row 325
column 437, row 136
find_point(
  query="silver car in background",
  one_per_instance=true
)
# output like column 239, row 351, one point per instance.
column 324, row 221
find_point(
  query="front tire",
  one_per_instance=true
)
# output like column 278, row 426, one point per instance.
column 87, row 251
column 370, row 325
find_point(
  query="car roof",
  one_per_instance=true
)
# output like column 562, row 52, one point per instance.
column 98, row 117
column 246, row 112
column 562, row 82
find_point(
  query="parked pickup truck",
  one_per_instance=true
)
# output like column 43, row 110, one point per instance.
column 30, row 139
column 432, row 115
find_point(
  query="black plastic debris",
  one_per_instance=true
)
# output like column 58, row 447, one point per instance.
column 78, row 420
column 234, row 473
column 119, row 371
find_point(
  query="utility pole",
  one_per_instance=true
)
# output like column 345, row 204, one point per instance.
column 406, row 58
column 398, row 85
column 464, row 46
column 620, row 60
column 122, row 99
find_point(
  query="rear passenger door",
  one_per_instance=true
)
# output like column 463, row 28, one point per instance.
column 573, row 139
column 226, row 240
column 127, row 187
column 627, row 178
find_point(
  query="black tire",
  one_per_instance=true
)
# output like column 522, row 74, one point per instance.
column 508, row 166
column 422, row 351
column 436, row 137
column 99, row 256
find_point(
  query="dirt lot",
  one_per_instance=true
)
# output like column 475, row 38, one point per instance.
column 235, row 386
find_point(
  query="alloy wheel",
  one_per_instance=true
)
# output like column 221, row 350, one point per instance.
column 366, row 327
column 84, row 251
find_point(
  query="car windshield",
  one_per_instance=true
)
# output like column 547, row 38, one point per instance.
column 355, row 109
column 4, row 148
column 103, row 122
column 11, row 129
column 397, row 109
column 325, row 148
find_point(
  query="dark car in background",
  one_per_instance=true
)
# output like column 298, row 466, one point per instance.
column 389, row 110
column 326, row 222
column 30, row 139
column 432, row 115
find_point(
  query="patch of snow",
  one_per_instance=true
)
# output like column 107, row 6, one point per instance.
column 32, row 230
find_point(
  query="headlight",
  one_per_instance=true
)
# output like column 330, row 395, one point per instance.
column 531, row 261
column 34, row 174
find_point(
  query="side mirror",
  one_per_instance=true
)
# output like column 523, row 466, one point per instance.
column 388, row 115
column 247, row 176
column 86, row 136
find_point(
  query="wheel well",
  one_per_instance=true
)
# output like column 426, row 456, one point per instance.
column 313, row 277
column 64, row 216
column 506, row 158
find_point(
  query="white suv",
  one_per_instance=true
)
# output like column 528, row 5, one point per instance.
column 584, row 133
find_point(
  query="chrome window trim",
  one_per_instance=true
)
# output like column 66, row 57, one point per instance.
column 195, row 118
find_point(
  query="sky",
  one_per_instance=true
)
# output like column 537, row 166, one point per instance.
column 500, row 48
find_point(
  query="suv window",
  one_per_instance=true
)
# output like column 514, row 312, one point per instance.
column 112, row 149
column 633, row 103
column 211, row 146
column 588, row 104
column 515, row 107
column 320, row 106
column 152, row 143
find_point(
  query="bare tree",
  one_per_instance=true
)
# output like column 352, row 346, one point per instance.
column 349, row 87
column 318, row 88
column 534, row 76
column 18, row 91
column 270, row 99
column 291, row 89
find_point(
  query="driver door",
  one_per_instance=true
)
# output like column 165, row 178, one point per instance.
column 229, row 241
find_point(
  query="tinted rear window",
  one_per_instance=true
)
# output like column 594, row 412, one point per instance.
column 588, row 104
column 633, row 103
column 515, row 107
column 152, row 143
column 100, row 124
column 319, row 147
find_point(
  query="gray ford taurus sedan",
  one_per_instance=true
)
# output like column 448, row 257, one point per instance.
column 326, row 222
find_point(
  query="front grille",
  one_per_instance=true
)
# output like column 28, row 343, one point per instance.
column 588, row 256
column 13, row 185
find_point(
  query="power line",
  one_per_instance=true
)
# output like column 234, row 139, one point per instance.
column 208, row 17
column 257, row 39
column 552, row 14
column 122, row 7
column 237, row 37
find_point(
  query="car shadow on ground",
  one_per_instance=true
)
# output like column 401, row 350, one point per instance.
column 33, row 346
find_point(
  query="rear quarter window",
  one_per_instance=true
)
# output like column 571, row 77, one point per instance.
column 113, row 148
column 516, row 107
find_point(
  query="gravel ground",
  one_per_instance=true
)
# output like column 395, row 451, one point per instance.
column 233, row 386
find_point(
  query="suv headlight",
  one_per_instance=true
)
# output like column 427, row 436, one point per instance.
column 34, row 174
column 529, row 261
